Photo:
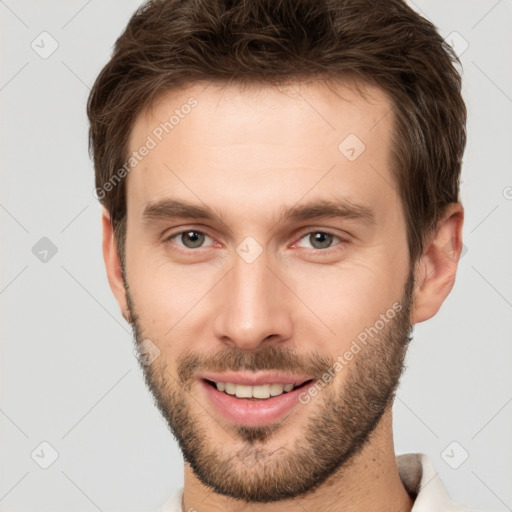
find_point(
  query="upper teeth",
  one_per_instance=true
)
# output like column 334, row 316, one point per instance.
column 264, row 391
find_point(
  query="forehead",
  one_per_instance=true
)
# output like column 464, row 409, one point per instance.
column 265, row 144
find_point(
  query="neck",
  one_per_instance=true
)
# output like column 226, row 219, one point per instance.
column 369, row 482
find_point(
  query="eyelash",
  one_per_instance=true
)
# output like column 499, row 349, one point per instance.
column 341, row 241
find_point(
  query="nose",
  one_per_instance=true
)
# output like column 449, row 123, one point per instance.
column 253, row 306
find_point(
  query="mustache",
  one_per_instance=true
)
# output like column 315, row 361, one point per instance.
column 273, row 357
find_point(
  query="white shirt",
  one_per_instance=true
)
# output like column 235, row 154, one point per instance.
column 417, row 474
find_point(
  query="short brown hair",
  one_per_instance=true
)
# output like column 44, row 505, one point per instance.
column 168, row 44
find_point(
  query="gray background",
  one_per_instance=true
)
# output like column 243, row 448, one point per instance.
column 68, row 373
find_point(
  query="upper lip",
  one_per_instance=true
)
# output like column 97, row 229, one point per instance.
column 255, row 378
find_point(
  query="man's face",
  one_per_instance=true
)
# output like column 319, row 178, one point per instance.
column 293, row 258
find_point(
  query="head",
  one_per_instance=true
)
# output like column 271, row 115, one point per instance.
column 280, row 183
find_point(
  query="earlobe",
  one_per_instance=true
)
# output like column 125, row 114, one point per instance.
column 435, row 271
column 113, row 265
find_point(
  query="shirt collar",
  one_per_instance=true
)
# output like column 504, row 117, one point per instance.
column 422, row 482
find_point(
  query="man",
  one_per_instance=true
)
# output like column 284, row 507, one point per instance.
column 280, row 189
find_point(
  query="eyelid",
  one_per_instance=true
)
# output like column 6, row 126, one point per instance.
column 184, row 228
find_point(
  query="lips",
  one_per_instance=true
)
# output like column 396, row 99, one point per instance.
column 248, row 409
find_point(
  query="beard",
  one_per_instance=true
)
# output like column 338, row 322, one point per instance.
column 338, row 428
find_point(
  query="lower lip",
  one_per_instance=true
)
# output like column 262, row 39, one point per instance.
column 253, row 413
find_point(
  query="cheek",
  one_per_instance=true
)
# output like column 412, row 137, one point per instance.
column 345, row 301
column 169, row 298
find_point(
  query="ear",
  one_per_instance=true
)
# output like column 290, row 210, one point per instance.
column 113, row 265
column 436, row 269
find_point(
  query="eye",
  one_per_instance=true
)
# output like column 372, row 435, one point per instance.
column 318, row 240
column 190, row 239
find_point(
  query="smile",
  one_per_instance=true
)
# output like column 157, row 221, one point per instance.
column 254, row 401
column 261, row 392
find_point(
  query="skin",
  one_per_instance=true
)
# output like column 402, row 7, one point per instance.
column 251, row 154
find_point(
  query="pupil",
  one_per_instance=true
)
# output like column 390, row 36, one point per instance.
column 321, row 240
column 192, row 239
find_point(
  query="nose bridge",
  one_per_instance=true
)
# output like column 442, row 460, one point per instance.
column 251, row 282
column 253, row 306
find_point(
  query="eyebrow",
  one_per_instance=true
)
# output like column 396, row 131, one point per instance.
column 342, row 208
column 171, row 208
